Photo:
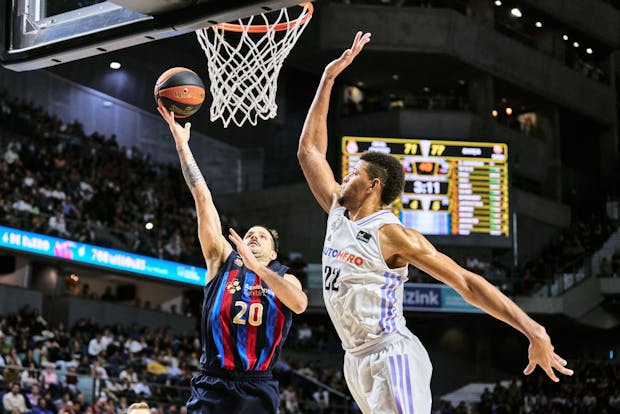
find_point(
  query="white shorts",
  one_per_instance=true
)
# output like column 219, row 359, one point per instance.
column 393, row 380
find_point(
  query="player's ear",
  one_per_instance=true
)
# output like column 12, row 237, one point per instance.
column 273, row 255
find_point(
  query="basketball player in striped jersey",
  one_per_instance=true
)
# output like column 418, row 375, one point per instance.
column 247, row 309
column 365, row 258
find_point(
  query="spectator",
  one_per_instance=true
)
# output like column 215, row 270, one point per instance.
column 142, row 389
column 29, row 377
column 14, row 401
column 34, row 395
column 57, row 226
column 95, row 346
column 41, row 407
column 49, row 377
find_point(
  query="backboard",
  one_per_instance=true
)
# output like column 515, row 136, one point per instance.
column 39, row 33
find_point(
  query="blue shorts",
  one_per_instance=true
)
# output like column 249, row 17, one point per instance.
column 231, row 393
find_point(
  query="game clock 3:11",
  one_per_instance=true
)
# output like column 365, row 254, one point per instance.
column 426, row 187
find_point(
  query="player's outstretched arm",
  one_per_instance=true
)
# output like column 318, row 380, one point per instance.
column 287, row 288
column 214, row 246
column 405, row 245
column 313, row 141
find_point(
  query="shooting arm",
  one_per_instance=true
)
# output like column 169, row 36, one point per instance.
column 214, row 246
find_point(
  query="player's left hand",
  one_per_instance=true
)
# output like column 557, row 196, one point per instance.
column 249, row 260
column 337, row 66
column 540, row 352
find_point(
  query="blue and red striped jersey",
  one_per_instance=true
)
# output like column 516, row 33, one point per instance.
column 244, row 324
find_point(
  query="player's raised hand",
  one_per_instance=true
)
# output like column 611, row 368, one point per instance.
column 540, row 352
column 180, row 133
column 337, row 66
column 249, row 260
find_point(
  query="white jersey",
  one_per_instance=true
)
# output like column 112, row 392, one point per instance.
column 363, row 296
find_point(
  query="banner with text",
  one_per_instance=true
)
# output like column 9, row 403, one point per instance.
column 100, row 256
column 434, row 298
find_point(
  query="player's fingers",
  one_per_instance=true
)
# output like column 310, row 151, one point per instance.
column 366, row 38
column 358, row 35
column 559, row 359
column 233, row 234
column 188, row 125
column 163, row 113
column 530, row 367
column 550, row 373
column 562, row 369
column 234, row 240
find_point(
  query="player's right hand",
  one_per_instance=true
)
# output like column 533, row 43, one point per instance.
column 337, row 66
column 180, row 133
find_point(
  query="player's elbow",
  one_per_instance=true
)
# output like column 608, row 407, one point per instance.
column 303, row 153
column 300, row 305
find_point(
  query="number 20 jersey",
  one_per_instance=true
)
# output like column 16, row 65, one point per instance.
column 244, row 324
column 362, row 295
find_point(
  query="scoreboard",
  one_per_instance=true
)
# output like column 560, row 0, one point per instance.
column 451, row 187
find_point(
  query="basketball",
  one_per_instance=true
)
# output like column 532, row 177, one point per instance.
column 181, row 91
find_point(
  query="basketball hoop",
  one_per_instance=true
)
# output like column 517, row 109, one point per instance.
column 244, row 67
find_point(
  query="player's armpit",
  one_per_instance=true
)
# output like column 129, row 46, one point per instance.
column 401, row 246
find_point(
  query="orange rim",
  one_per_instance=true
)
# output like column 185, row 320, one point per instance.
column 263, row 28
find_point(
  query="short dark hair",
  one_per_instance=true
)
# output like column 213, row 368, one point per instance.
column 275, row 237
column 388, row 169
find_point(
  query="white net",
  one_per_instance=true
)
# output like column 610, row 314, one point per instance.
column 244, row 62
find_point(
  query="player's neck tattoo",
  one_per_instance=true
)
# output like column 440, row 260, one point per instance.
column 191, row 172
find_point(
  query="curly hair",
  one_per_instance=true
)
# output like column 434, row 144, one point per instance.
column 388, row 170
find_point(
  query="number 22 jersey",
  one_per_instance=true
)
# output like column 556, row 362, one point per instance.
column 363, row 296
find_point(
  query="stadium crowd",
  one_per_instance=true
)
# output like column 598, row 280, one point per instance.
column 96, row 370
column 93, row 369
column 595, row 388
column 59, row 181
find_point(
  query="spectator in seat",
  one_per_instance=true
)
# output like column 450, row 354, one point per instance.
column 14, row 401
column 57, row 225
column 34, row 395
column 95, row 346
column 142, row 389
column 41, row 407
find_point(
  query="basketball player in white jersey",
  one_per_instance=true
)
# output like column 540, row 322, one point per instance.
column 365, row 259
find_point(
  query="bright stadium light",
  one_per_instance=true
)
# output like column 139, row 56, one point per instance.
column 576, row 44
column 565, row 37
column 148, row 226
column 538, row 24
column 589, row 51
column 498, row 3
column 516, row 12
column 115, row 65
